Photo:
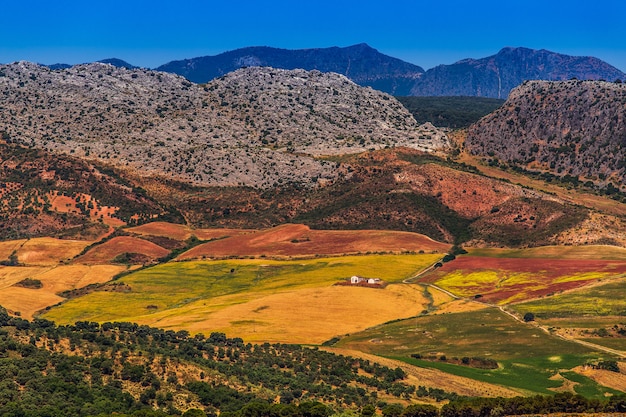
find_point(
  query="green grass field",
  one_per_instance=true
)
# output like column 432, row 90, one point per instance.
column 528, row 357
column 174, row 285
column 601, row 300
column 487, row 333
column 536, row 375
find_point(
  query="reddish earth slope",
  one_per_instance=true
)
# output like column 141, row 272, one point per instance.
column 139, row 250
column 300, row 240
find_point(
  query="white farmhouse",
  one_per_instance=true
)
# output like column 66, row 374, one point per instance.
column 356, row 279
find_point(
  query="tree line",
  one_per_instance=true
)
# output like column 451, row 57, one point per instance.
column 120, row 368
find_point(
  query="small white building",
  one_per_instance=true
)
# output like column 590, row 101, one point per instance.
column 356, row 279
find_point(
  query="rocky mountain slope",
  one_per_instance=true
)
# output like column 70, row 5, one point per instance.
column 254, row 127
column 361, row 63
column 496, row 75
column 574, row 128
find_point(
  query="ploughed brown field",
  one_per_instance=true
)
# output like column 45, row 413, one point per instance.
column 182, row 232
column 299, row 240
column 107, row 251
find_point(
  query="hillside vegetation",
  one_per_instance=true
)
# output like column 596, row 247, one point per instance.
column 54, row 195
column 112, row 368
column 390, row 189
column 451, row 112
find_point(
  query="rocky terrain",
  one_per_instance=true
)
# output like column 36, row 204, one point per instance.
column 361, row 63
column 260, row 147
column 495, row 76
column 572, row 129
column 255, row 127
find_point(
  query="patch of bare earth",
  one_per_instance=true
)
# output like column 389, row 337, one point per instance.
column 65, row 204
column 615, row 380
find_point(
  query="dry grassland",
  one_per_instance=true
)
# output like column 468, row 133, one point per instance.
column 603, row 377
column 55, row 279
column 459, row 306
column 439, row 297
column 42, row 251
column 7, row 247
column 49, row 251
column 307, row 316
column 10, row 275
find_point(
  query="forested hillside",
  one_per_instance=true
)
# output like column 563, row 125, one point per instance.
column 91, row 369
column 452, row 112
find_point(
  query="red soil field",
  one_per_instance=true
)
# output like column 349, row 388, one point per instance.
column 107, row 251
column 300, row 240
column 548, row 275
column 181, row 232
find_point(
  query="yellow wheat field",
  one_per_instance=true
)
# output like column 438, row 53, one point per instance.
column 306, row 315
column 42, row 251
column 27, row 301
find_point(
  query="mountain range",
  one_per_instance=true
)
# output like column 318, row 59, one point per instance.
column 256, row 147
column 361, row 63
column 493, row 76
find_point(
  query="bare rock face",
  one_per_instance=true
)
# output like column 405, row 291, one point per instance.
column 256, row 127
column 575, row 128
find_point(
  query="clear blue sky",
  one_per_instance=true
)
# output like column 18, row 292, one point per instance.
column 151, row 33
